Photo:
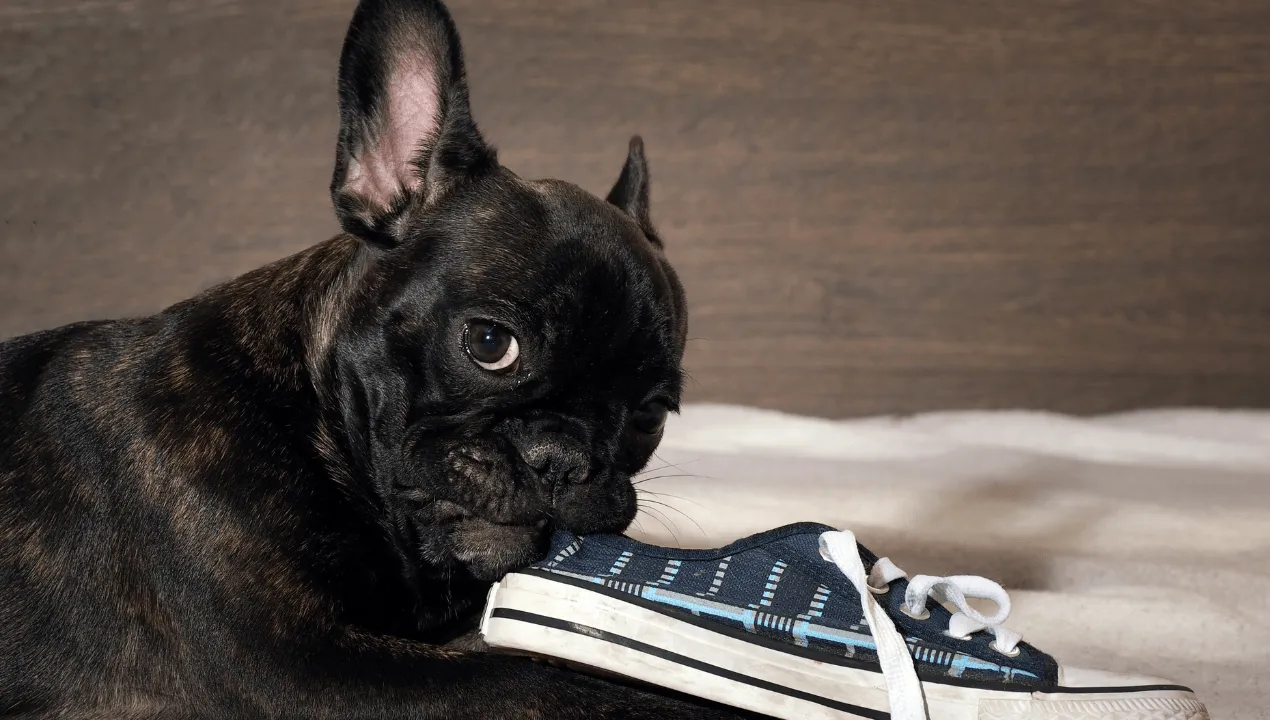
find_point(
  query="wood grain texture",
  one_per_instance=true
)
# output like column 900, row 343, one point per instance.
column 875, row 207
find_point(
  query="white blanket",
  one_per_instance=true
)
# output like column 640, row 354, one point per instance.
column 1136, row 543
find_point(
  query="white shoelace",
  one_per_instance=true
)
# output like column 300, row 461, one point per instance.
column 903, row 689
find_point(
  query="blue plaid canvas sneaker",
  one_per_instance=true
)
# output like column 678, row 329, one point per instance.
column 802, row 622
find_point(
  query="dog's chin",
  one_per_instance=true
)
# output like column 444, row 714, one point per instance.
column 489, row 550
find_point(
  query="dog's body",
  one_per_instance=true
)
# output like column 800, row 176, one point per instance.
column 288, row 495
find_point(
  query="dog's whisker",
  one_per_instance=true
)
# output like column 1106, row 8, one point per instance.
column 641, row 481
column 664, row 466
column 670, row 495
column 677, row 466
column 687, row 375
column 686, row 516
column 672, row 475
column 663, row 520
column 650, row 471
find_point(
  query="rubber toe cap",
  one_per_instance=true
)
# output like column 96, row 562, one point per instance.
column 1072, row 677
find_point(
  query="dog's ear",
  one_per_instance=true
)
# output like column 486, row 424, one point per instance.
column 630, row 193
column 406, row 129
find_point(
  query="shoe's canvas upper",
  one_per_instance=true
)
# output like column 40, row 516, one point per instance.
column 776, row 589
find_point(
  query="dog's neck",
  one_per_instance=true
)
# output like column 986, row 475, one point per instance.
column 276, row 327
column 287, row 314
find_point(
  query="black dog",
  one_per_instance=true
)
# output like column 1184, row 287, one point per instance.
column 288, row 495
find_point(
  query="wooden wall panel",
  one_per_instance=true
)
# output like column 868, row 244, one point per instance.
column 876, row 207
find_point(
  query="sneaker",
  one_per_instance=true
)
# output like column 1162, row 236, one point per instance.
column 801, row 622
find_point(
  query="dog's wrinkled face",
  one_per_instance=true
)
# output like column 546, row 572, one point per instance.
column 521, row 344
column 529, row 351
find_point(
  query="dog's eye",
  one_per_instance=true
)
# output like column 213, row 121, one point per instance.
column 491, row 346
column 650, row 418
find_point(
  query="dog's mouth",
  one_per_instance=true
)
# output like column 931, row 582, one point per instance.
column 491, row 513
column 489, row 549
column 525, row 483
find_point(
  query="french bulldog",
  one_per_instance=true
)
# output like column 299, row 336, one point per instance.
column 288, row 495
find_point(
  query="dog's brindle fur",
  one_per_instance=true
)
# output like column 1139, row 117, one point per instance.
column 288, row 495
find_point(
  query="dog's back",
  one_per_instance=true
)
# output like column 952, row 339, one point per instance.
column 149, row 470
column 72, row 606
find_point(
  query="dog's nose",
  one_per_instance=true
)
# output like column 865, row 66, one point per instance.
column 555, row 458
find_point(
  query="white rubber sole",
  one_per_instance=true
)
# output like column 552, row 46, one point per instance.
column 539, row 616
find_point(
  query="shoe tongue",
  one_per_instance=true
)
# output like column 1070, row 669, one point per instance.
column 867, row 556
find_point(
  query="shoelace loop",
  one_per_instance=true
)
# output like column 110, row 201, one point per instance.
column 904, row 690
column 954, row 590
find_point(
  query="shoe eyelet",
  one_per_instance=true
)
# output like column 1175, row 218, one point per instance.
column 957, row 637
column 880, row 591
column 925, row 614
column 1012, row 654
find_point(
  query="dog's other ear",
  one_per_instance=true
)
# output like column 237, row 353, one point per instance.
column 630, row 193
column 406, row 129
